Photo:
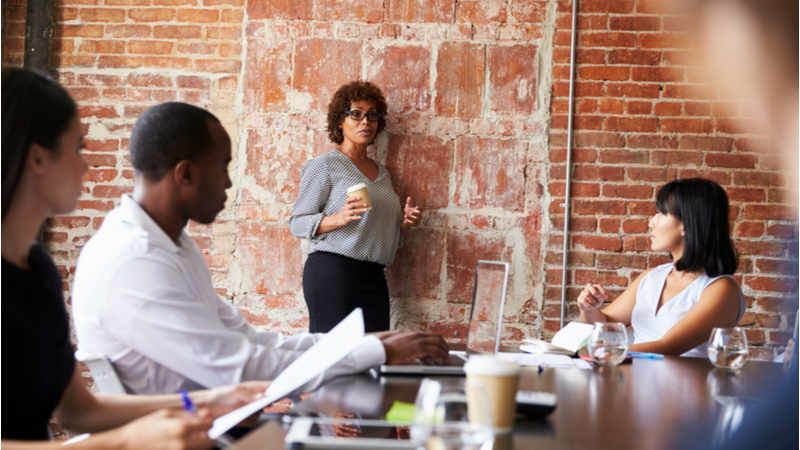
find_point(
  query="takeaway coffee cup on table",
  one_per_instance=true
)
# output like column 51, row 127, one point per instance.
column 360, row 190
column 500, row 380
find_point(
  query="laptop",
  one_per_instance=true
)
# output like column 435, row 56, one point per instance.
column 485, row 324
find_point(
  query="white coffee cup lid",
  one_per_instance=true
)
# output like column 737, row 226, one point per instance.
column 489, row 365
column 356, row 187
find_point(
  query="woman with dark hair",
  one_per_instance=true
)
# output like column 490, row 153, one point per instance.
column 350, row 244
column 674, row 307
column 43, row 176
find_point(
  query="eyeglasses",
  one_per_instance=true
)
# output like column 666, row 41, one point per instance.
column 358, row 115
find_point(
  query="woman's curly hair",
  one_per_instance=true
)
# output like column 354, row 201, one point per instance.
column 356, row 91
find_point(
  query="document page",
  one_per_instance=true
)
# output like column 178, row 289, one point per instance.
column 334, row 346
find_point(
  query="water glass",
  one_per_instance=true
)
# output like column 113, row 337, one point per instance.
column 727, row 348
column 608, row 343
column 440, row 420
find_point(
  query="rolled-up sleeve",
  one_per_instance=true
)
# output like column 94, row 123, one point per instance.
column 307, row 214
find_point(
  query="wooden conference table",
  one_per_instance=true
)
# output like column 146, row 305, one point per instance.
column 644, row 405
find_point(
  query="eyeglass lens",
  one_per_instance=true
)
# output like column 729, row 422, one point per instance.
column 372, row 116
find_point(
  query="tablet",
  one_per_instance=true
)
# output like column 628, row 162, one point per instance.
column 331, row 433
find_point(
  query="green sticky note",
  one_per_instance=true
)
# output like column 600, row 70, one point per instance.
column 400, row 412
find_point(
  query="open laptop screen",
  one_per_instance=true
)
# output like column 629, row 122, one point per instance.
column 486, row 314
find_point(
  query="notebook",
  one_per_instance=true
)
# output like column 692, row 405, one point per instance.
column 483, row 331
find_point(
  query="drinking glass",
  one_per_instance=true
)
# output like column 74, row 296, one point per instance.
column 727, row 348
column 440, row 420
column 608, row 343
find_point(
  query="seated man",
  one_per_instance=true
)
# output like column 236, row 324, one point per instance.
column 143, row 296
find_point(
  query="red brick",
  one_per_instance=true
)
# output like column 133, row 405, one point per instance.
column 582, row 122
column 651, row 175
column 583, row 56
column 150, row 80
column 592, row 207
column 352, row 10
column 670, row 125
column 585, row 224
column 634, row 57
column 482, row 11
column 126, row 31
column 198, row 48
column 626, row 191
column 636, row 243
column 106, row 145
column 738, row 161
column 770, row 284
column 749, row 229
column 674, row 157
column 632, row 90
column 97, row 205
column 621, row 261
column 604, row 278
column 658, row 74
column 662, row 40
column 758, row 179
column 84, row 94
column 706, row 143
column 151, row 14
column 529, row 11
column 224, row 33
column 103, row 191
column 198, row 15
column 634, row 124
column 781, row 231
column 416, row 271
column 770, row 212
column 268, row 77
column 597, row 243
column 271, row 260
column 101, row 46
column 577, row 189
column 746, row 194
column 489, row 171
column 102, row 15
column 609, row 225
column 420, row 168
column 667, row 109
column 389, row 66
column 697, row 109
column 634, row 23
column 700, row 92
column 58, row 238
column 635, row 226
column 223, row 3
column 100, row 175
column 176, row 32
column 777, row 304
column 605, row 39
column 512, row 78
column 597, row 139
column 759, row 248
column 606, row 6
column 459, row 86
column 316, row 75
column 412, row 11
column 218, row 65
column 776, row 266
column 606, row 73
column 150, row 47
column 103, row 112
column 582, row 89
column 638, row 107
column 231, row 16
column 85, row 31
column 652, row 141
column 69, row 222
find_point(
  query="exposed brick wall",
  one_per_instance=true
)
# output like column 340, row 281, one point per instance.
column 473, row 136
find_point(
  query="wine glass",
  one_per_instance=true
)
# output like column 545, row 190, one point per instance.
column 727, row 348
column 608, row 343
column 441, row 422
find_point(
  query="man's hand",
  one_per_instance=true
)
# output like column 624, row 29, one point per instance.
column 405, row 346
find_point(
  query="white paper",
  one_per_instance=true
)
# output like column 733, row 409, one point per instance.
column 329, row 350
column 545, row 360
column 572, row 335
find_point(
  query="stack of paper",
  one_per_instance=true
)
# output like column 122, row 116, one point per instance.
column 566, row 342
column 544, row 360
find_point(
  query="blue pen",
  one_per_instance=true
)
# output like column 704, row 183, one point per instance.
column 644, row 355
column 188, row 406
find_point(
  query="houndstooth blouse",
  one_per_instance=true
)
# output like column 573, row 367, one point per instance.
column 323, row 191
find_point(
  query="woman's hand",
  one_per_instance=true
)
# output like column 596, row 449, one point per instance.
column 592, row 297
column 224, row 399
column 411, row 215
column 350, row 212
column 166, row 429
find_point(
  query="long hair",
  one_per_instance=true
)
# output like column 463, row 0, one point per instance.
column 702, row 206
column 35, row 110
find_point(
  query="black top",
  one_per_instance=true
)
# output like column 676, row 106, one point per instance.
column 37, row 356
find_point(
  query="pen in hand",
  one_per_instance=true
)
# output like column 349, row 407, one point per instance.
column 188, row 405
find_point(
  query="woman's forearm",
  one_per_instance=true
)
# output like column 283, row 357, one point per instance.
column 593, row 315
column 99, row 441
column 111, row 411
column 328, row 223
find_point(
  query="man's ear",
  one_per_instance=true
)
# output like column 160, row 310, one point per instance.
column 37, row 158
column 183, row 173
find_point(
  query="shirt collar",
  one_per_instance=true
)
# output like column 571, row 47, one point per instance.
column 132, row 212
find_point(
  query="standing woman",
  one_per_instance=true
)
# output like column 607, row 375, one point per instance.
column 350, row 244
column 43, row 176
column 674, row 307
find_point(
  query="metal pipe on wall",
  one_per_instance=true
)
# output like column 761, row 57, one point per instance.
column 38, row 29
column 566, row 203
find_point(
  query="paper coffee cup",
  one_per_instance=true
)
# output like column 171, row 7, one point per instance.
column 500, row 380
column 360, row 190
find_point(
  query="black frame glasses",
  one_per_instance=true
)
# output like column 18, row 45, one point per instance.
column 358, row 115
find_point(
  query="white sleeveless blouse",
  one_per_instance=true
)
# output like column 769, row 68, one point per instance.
column 649, row 326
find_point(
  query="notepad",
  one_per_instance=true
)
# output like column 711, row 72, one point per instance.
column 566, row 342
column 335, row 345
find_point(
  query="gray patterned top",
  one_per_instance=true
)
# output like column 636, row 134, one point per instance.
column 323, row 191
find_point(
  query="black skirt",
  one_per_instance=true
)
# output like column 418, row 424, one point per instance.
column 334, row 285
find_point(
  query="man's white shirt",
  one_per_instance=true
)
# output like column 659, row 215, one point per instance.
column 149, row 306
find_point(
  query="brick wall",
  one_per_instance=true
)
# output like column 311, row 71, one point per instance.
column 477, row 133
